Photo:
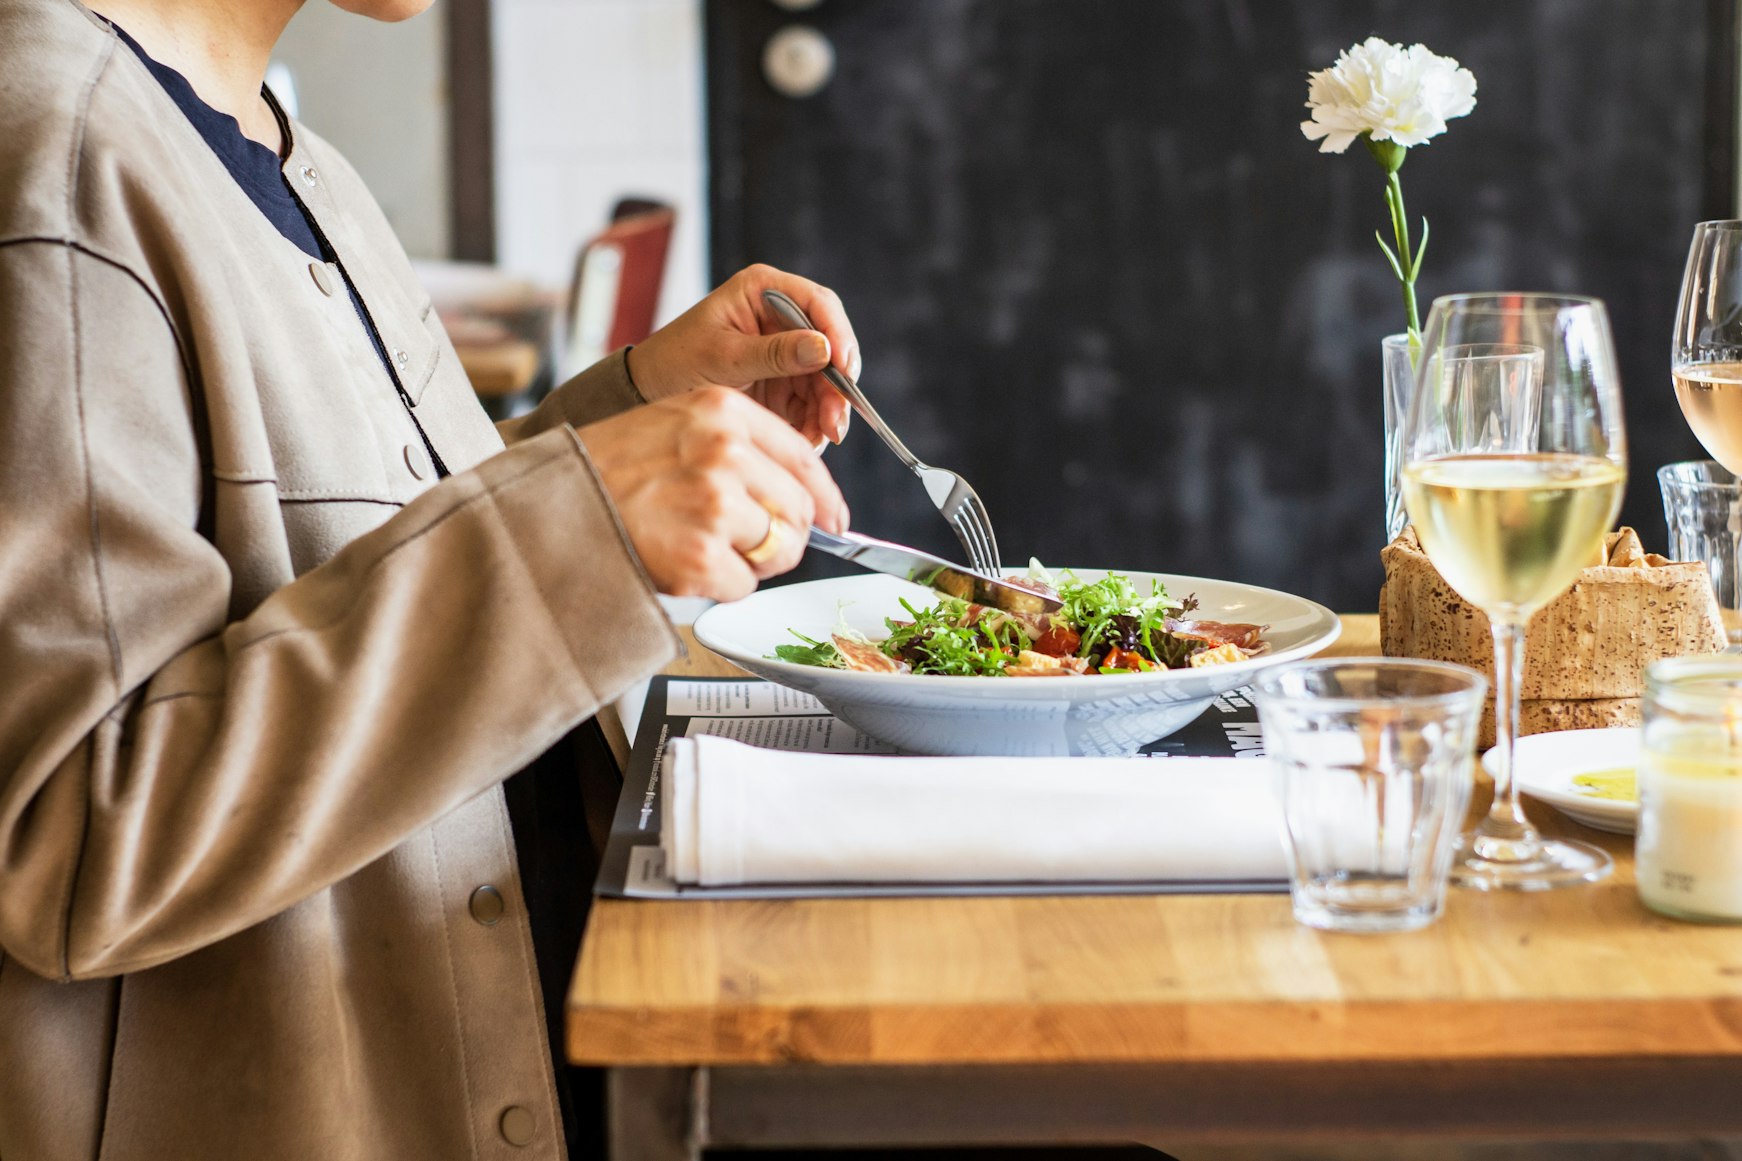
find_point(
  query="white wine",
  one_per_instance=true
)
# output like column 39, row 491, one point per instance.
column 1711, row 399
column 1509, row 532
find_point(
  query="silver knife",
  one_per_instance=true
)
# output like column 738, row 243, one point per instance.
column 934, row 572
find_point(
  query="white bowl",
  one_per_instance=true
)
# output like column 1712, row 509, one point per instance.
column 1546, row 764
column 1096, row 715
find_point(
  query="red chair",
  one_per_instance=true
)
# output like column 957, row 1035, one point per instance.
column 618, row 276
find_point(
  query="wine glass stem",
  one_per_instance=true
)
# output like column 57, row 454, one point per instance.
column 1506, row 834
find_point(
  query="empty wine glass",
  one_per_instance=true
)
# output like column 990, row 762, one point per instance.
column 1511, row 486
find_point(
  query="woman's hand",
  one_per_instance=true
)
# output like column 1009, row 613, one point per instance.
column 731, row 339
column 705, row 477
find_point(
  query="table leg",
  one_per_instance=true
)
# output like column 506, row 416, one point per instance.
column 656, row 1114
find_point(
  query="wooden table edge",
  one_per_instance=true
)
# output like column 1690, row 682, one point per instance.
column 1197, row 1032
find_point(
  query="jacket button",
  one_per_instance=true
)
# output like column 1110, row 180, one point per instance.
column 413, row 462
column 400, row 357
column 517, row 1125
column 309, row 176
column 322, row 276
column 487, row 908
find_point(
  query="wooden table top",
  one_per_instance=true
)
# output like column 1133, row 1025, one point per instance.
column 1586, row 972
column 503, row 367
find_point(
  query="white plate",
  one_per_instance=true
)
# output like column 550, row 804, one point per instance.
column 1546, row 764
column 1001, row 715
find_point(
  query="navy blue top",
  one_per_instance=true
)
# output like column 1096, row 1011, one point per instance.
column 260, row 173
column 255, row 167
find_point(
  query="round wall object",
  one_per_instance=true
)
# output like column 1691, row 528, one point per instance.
column 798, row 61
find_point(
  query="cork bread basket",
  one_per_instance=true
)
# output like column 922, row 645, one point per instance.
column 1585, row 654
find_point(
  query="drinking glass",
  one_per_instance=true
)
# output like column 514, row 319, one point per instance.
column 1499, row 387
column 1702, row 508
column 1511, row 496
column 1374, row 760
column 1706, row 356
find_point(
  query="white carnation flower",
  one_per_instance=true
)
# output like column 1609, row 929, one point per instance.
column 1388, row 91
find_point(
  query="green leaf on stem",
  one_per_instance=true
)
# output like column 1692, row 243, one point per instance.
column 1390, row 256
column 1415, row 266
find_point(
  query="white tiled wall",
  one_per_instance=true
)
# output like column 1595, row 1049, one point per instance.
column 596, row 100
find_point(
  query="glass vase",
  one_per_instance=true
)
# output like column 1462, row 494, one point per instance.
column 1399, row 380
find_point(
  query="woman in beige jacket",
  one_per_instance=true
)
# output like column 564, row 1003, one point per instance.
column 279, row 614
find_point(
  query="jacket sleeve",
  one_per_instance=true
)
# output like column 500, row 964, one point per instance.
column 169, row 777
column 599, row 392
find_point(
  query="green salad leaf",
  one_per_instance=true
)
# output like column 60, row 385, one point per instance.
column 819, row 653
column 940, row 640
column 1101, row 610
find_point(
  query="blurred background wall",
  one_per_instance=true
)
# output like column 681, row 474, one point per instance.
column 596, row 99
column 1098, row 270
column 593, row 99
column 380, row 93
column 1094, row 264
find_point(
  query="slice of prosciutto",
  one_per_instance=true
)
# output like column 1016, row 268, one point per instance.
column 1033, row 625
column 1039, row 587
column 867, row 658
column 1215, row 634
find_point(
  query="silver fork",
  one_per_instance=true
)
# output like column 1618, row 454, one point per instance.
column 959, row 503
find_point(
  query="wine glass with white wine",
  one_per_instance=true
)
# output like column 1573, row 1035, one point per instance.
column 1706, row 362
column 1701, row 504
column 1511, row 491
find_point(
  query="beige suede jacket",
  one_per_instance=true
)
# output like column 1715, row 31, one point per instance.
column 260, row 673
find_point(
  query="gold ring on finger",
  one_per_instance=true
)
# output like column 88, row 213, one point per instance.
column 766, row 548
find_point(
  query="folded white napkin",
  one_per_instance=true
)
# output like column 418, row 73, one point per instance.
column 734, row 814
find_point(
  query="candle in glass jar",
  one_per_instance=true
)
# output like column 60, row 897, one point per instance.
column 1688, row 857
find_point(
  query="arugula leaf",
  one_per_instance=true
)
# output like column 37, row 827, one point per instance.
column 941, row 640
column 818, row 653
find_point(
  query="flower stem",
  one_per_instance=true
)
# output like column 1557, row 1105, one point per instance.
column 1406, row 257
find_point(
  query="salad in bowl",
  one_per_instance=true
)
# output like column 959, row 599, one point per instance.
column 1104, row 627
column 940, row 676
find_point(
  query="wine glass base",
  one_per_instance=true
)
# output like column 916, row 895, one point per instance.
column 1548, row 864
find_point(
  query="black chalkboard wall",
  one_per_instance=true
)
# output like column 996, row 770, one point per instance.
column 1096, row 268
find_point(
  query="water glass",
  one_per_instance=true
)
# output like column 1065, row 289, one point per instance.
column 1702, row 505
column 1375, row 759
column 1497, row 388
